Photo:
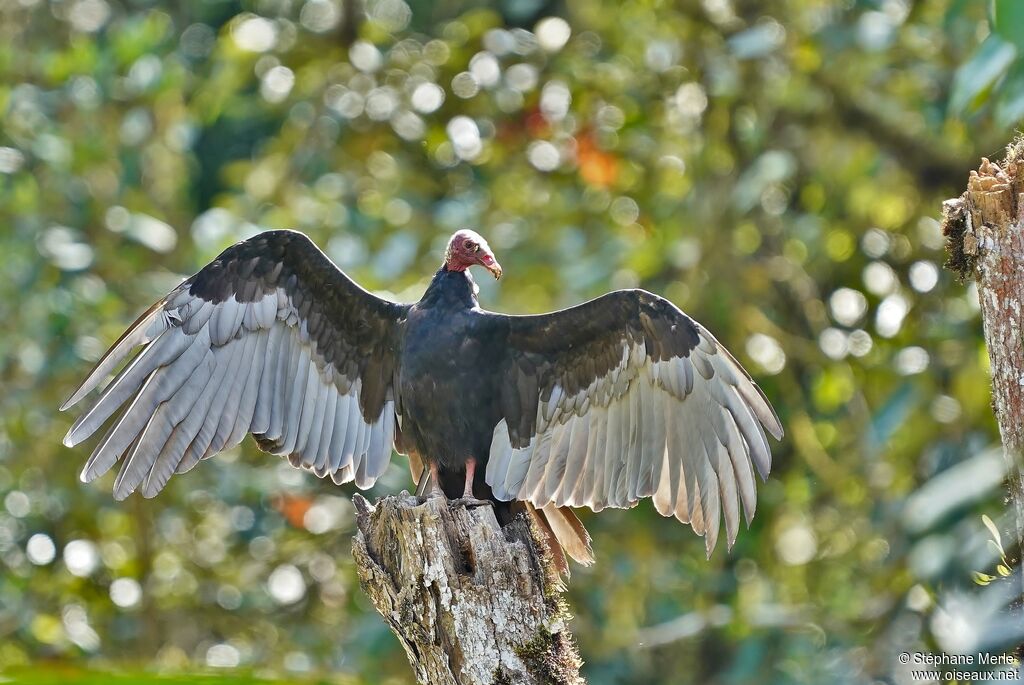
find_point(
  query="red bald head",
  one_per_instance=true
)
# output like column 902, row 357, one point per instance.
column 467, row 248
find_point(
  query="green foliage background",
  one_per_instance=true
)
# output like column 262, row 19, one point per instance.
column 775, row 168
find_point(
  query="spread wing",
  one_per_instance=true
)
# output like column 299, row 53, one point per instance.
column 270, row 339
column 626, row 397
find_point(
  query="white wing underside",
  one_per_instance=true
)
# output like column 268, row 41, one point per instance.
column 207, row 375
column 686, row 431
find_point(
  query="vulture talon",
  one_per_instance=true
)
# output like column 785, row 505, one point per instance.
column 431, row 495
column 469, row 503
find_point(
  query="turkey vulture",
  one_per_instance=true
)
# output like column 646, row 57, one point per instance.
column 599, row 405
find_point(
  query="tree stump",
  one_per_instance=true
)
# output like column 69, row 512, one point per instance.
column 984, row 231
column 472, row 603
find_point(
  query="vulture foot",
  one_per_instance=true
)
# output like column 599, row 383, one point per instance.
column 470, row 502
column 433, row 493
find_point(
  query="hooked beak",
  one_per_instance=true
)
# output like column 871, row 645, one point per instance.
column 491, row 264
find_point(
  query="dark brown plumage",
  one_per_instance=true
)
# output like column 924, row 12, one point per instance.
column 602, row 404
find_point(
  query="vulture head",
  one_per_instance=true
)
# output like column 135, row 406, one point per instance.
column 467, row 248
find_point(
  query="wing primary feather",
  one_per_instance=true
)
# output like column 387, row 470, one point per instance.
column 718, row 458
column 161, row 352
column 177, row 409
column 114, row 444
column 729, row 495
column 749, row 391
column 192, row 443
column 663, row 493
column 139, row 467
column 160, row 385
column 137, row 334
column 709, row 501
column 200, row 447
column 181, row 437
column 751, row 431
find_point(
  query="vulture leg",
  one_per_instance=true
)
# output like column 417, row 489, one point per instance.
column 467, row 499
column 467, row 492
column 429, row 485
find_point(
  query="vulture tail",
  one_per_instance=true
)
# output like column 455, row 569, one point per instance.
column 564, row 534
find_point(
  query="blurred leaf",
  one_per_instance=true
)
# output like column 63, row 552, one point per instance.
column 1008, row 21
column 1009, row 109
column 972, row 80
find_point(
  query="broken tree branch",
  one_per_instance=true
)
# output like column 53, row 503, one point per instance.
column 472, row 603
column 984, row 230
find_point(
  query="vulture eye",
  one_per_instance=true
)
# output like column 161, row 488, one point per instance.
column 470, row 245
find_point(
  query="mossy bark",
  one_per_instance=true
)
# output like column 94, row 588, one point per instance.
column 472, row 603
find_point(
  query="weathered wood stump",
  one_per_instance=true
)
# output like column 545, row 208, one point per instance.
column 984, row 230
column 472, row 602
